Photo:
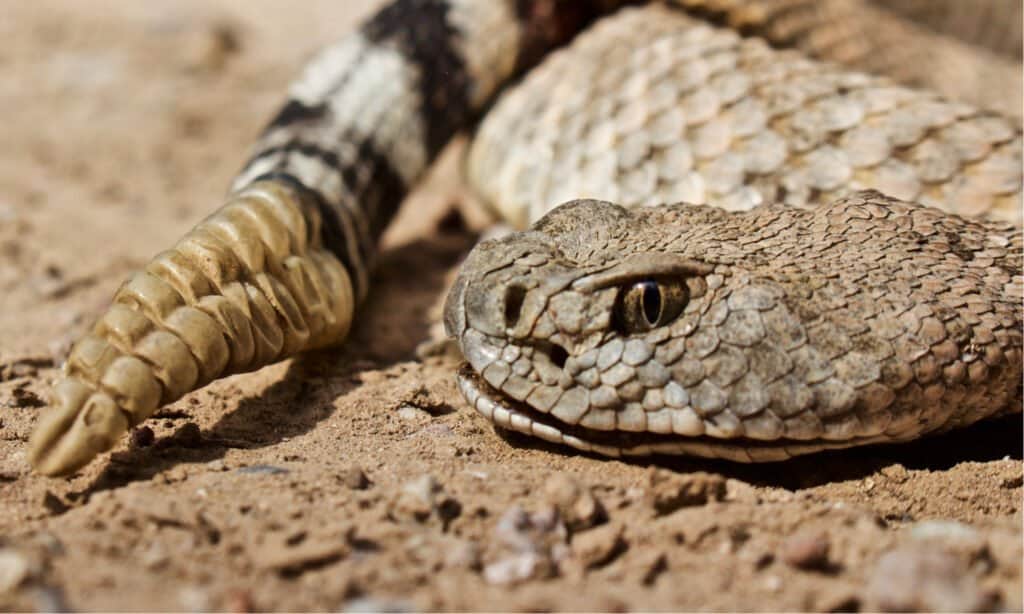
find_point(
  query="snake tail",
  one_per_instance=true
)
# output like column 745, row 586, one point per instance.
column 247, row 287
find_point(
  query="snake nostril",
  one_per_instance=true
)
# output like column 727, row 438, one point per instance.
column 514, row 297
column 558, row 356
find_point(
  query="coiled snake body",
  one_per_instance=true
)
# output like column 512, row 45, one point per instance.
column 784, row 311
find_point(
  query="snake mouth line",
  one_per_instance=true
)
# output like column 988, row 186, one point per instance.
column 517, row 416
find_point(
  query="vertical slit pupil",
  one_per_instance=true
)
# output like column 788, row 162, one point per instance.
column 651, row 302
column 514, row 297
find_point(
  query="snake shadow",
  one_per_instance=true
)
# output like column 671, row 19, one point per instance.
column 390, row 323
column 987, row 440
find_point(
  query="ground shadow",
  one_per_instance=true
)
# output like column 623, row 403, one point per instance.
column 987, row 440
column 392, row 321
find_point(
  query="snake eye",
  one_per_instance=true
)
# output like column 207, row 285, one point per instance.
column 648, row 304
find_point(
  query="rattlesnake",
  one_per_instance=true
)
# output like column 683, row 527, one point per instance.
column 894, row 319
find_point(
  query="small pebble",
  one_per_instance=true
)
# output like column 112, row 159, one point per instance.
column 424, row 498
column 512, row 529
column 956, row 538
column 924, row 577
column 652, row 565
column 23, row 397
column 435, row 430
column 525, row 532
column 598, row 547
column 772, row 583
column 54, row 504
column 668, row 491
column 579, row 508
column 210, row 48
column 293, row 555
column 837, row 599
column 1012, row 481
column 463, row 554
column 14, row 569
column 419, row 403
column 50, row 283
column 142, row 437
column 518, row 568
column 806, row 550
column 896, row 472
column 355, row 478
column 531, row 545
column 194, row 599
column 188, row 436
column 422, row 488
column 943, row 529
column 155, row 557
column 763, row 560
column 412, row 414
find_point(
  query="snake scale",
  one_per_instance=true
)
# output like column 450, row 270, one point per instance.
column 788, row 309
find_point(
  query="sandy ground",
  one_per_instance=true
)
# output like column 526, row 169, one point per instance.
column 359, row 479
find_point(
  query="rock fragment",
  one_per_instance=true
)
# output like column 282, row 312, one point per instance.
column 462, row 554
column 423, row 499
column 922, row 577
column 14, row 569
column 194, row 599
column 292, row 559
column 154, row 557
column 25, row 564
column 805, row 550
column 1014, row 480
column 412, row 414
column 896, row 472
column 188, row 436
column 209, row 48
column 520, row 530
column 23, row 397
column 529, row 546
column 355, row 478
column 668, row 491
column 650, row 566
column 578, row 506
column 959, row 539
column 142, row 437
column 600, row 546
column 54, row 504
column 517, row 568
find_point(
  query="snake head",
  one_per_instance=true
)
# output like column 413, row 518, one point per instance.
column 750, row 336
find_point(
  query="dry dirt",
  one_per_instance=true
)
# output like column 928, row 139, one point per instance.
column 359, row 479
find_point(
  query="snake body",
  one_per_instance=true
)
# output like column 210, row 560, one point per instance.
column 865, row 320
